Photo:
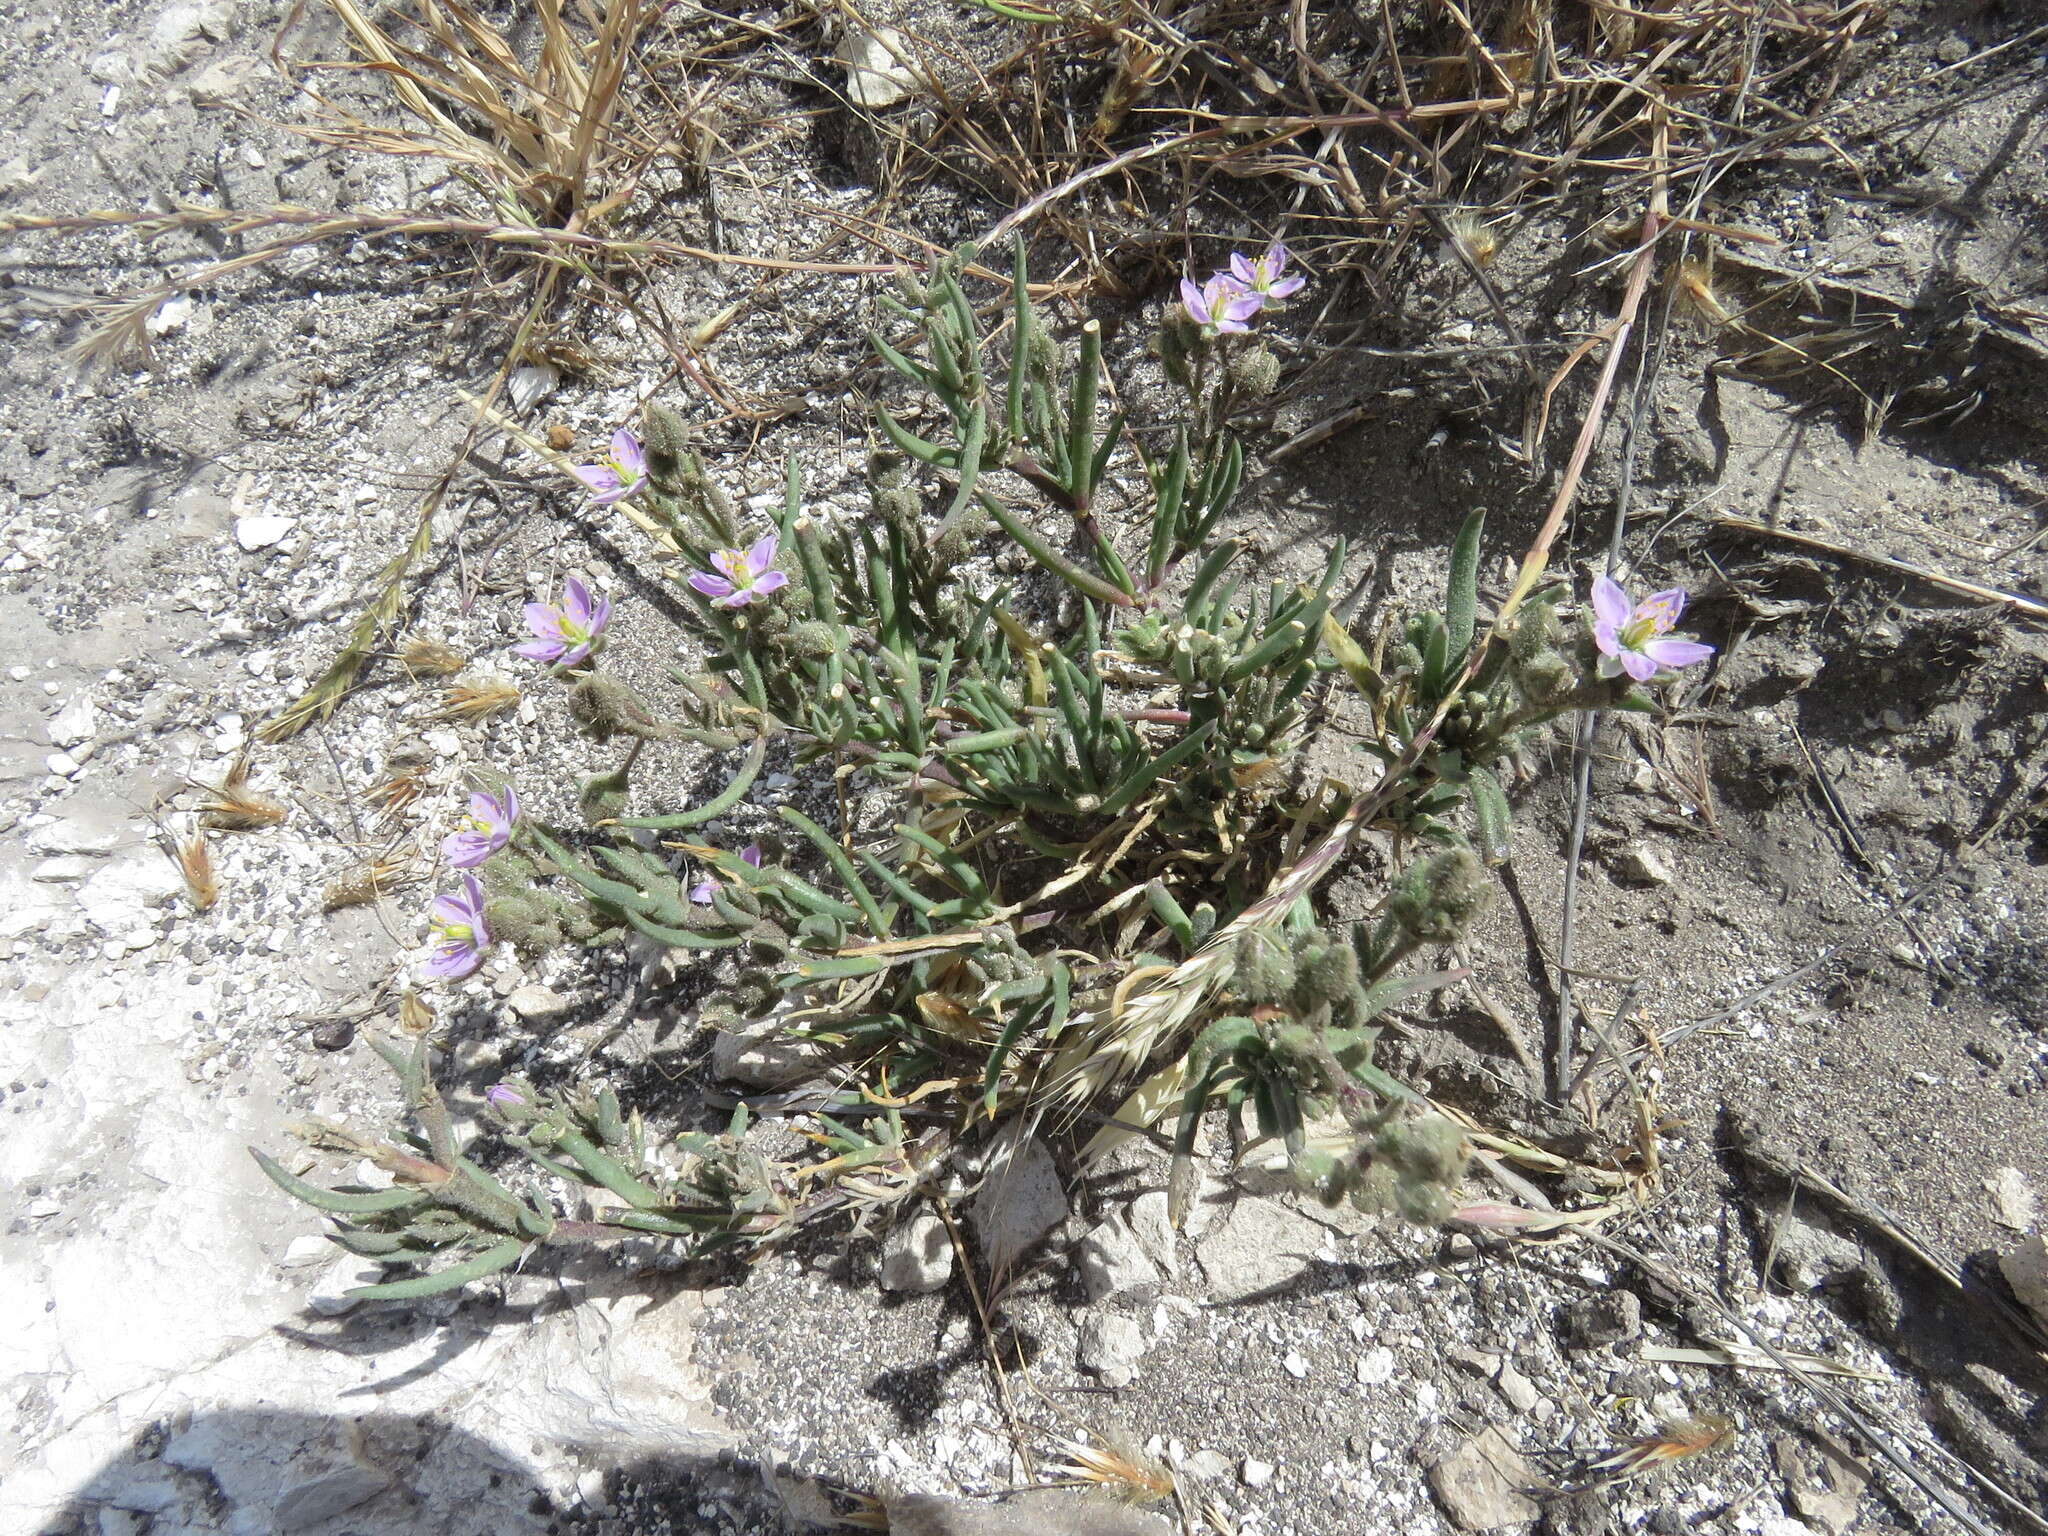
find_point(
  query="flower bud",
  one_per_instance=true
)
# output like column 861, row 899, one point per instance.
column 523, row 922
column 602, row 796
column 607, row 707
column 812, row 639
column 666, row 441
column 1439, row 896
column 1546, row 679
column 1326, row 975
column 1426, row 1149
column 1265, row 968
column 1180, row 341
column 1255, row 372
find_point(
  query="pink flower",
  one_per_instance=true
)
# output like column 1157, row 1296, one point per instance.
column 569, row 633
column 489, row 829
column 1632, row 639
column 747, row 574
column 1261, row 275
column 1220, row 306
column 700, row 893
column 460, row 935
column 618, row 475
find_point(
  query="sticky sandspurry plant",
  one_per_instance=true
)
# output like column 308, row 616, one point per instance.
column 1094, row 892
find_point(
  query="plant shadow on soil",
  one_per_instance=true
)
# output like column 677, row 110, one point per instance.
column 264, row 1470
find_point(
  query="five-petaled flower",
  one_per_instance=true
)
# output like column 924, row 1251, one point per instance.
column 569, row 633
column 460, row 935
column 1220, row 306
column 488, row 829
column 1634, row 639
column 1261, row 275
column 700, row 893
column 618, row 474
column 742, row 575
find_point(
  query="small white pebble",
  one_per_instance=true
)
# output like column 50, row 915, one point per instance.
column 1254, row 1473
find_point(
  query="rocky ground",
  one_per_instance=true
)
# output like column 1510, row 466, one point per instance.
column 1815, row 894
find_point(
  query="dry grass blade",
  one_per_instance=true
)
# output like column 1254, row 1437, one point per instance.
column 548, row 120
column 1944, row 1494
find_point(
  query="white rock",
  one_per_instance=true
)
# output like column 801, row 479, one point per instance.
column 1112, row 1265
column 1640, row 864
column 84, row 833
column 1019, row 1202
column 262, row 530
column 1254, row 1473
column 2026, row 1271
column 171, row 315
column 1111, row 1346
column 917, row 1255
column 76, row 722
column 41, row 1210
column 307, row 1248
column 64, row 870
column 63, row 765
column 1295, row 1364
column 1481, row 1483
column 117, row 899
column 329, row 1295
column 1376, row 1366
column 1259, row 1246
column 1154, row 1232
column 876, row 74
column 759, row 1054
column 1519, row 1390
column 538, row 1005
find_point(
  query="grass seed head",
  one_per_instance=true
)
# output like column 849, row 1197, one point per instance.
column 232, row 806
column 1698, row 296
column 1475, row 237
column 430, row 656
column 195, row 864
column 466, row 702
column 363, row 883
column 1112, row 1459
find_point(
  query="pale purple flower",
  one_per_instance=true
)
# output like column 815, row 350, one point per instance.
column 1261, row 275
column 618, row 474
column 1632, row 638
column 569, row 633
column 1220, row 306
column 460, row 936
column 504, row 1096
column 743, row 574
column 489, row 828
column 700, row 893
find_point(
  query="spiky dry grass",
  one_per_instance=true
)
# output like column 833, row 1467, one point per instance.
column 371, row 880
column 1112, row 1459
column 194, row 862
column 232, row 806
column 430, row 656
column 471, row 700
